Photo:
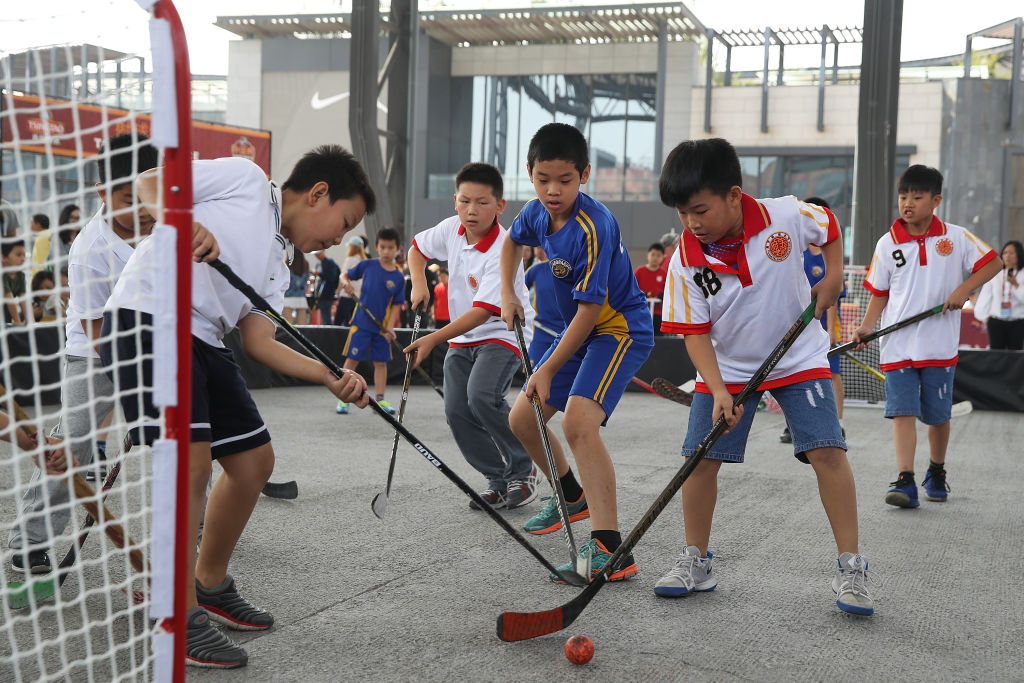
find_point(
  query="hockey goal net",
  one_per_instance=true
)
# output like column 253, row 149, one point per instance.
column 77, row 123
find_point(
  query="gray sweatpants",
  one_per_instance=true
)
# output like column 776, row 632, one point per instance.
column 87, row 398
column 476, row 379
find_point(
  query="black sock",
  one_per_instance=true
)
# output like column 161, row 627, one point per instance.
column 570, row 487
column 609, row 539
column 936, row 467
column 908, row 475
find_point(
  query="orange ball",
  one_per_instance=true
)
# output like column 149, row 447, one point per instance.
column 579, row 650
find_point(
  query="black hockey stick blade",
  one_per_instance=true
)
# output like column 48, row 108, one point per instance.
column 849, row 346
column 524, row 625
column 662, row 387
column 288, row 490
column 261, row 304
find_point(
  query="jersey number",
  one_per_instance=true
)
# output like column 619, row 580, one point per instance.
column 708, row 282
column 900, row 259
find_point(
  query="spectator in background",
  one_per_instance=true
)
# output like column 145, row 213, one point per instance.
column 9, row 223
column 670, row 240
column 346, row 302
column 651, row 278
column 42, row 288
column 13, row 252
column 1000, row 304
column 295, row 306
column 57, row 305
column 68, row 226
column 39, row 227
column 324, row 295
column 528, row 257
column 441, row 315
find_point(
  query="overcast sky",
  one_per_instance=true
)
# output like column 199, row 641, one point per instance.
column 931, row 28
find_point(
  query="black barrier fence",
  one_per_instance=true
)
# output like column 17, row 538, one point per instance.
column 991, row 380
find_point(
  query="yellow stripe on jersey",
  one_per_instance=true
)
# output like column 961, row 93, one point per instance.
column 591, row 232
column 611, row 321
column 671, row 298
column 808, row 214
column 524, row 207
column 871, row 267
column 613, row 367
column 980, row 244
column 764, row 214
column 686, row 301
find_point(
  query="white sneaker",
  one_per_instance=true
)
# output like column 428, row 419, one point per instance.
column 851, row 585
column 691, row 573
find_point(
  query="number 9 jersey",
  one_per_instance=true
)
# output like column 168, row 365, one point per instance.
column 748, row 307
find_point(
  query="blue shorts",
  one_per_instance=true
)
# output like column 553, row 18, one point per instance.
column 367, row 345
column 223, row 412
column 833, row 365
column 599, row 370
column 924, row 393
column 810, row 410
column 539, row 345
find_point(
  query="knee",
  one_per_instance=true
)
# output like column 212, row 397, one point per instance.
column 577, row 431
column 522, row 421
column 827, row 459
column 263, row 464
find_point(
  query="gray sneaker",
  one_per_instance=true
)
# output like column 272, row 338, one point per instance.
column 207, row 647
column 226, row 606
column 522, row 491
column 691, row 573
column 851, row 585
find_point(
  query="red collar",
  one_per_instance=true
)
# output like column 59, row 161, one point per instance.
column 487, row 240
column 755, row 219
column 899, row 233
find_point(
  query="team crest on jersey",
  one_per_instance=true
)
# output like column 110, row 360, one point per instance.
column 561, row 268
column 390, row 284
column 817, row 270
column 473, row 282
column 944, row 246
column 778, row 246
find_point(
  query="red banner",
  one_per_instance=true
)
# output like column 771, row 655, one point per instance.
column 78, row 130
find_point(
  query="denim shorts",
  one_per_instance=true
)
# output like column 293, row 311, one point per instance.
column 810, row 410
column 924, row 393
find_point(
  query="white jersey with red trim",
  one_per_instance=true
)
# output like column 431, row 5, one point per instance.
column 918, row 272
column 474, row 280
column 748, row 308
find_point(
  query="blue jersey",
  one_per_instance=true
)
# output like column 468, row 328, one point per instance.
column 381, row 290
column 549, row 316
column 589, row 263
column 814, row 268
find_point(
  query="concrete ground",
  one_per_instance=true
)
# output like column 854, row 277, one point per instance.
column 416, row 596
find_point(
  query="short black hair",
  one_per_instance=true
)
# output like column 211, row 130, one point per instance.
column 120, row 163
column 42, row 219
column 920, row 178
column 480, row 172
column 39, row 277
column 8, row 245
column 559, row 141
column 657, row 246
column 695, row 165
column 336, row 166
column 818, row 201
column 388, row 235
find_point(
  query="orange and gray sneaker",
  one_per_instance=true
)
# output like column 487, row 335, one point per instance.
column 549, row 519
column 599, row 557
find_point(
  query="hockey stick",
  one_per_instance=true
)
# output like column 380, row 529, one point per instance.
column 582, row 564
column 288, row 490
column 523, row 625
column 958, row 409
column 670, row 391
column 261, row 304
column 379, row 504
column 397, row 346
column 849, row 346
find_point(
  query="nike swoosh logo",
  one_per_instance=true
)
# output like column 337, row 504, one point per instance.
column 318, row 103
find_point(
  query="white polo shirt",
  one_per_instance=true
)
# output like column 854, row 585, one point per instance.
column 95, row 261
column 234, row 200
column 748, row 309
column 918, row 272
column 474, row 280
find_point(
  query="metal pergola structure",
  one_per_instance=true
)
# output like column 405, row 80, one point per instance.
column 1008, row 30
column 780, row 37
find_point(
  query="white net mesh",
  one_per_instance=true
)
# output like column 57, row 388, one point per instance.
column 859, row 385
column 70, row 119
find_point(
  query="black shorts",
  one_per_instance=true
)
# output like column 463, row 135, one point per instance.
column 223, row 412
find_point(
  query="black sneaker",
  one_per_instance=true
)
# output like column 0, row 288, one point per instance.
column 496, row 499
column 207, row 647
column 227, row 607
column 38, row 561
column 786, row 437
